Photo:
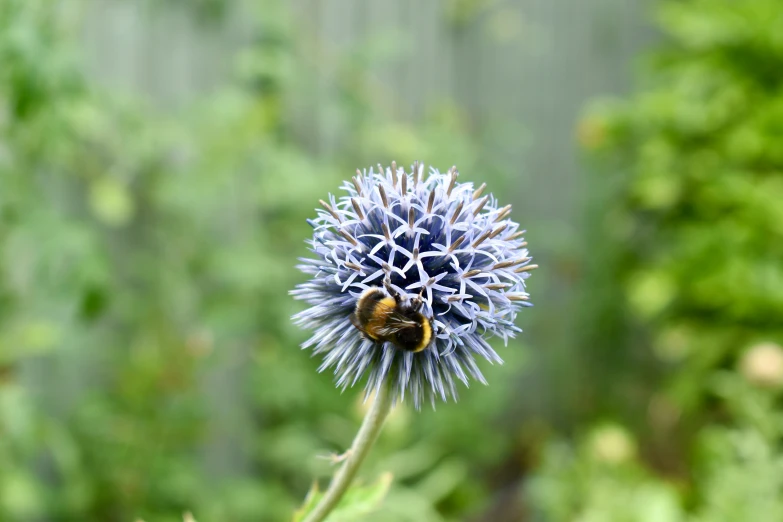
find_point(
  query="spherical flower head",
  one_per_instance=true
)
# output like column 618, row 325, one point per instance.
column 436, row 242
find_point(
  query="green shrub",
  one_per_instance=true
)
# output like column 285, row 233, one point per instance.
column 700, row 164
column 690, row 250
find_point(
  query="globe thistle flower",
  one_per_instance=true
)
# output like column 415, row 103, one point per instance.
column 436, row 240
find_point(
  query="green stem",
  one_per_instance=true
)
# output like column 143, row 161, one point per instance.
column 371, row 427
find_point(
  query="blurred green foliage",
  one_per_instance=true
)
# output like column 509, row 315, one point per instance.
column 358, row 503
column 690, row 225
column 148, row 365
column 735, row 470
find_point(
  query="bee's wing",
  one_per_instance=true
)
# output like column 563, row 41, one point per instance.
column 395, row 321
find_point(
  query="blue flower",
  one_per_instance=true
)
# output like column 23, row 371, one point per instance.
column 436, row 239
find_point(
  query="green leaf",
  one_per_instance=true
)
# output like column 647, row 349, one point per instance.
column 357, row 502
column 29, row 338
column 111, row 201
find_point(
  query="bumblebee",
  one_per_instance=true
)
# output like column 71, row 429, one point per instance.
column 382, row 315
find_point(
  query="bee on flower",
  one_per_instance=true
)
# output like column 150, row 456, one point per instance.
column 410, row 276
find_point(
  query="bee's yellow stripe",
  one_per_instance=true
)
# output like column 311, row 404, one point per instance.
column 389, row 303
column 380, row 312
column 426, row 337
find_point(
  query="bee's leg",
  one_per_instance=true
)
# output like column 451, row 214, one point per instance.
column 417, row 302
column 389, row 288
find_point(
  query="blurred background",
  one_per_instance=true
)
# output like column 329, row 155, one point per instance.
column 158, row 161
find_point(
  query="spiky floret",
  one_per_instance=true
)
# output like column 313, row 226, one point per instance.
column 434, row 237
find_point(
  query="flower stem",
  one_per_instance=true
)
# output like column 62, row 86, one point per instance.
column 371, row 427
